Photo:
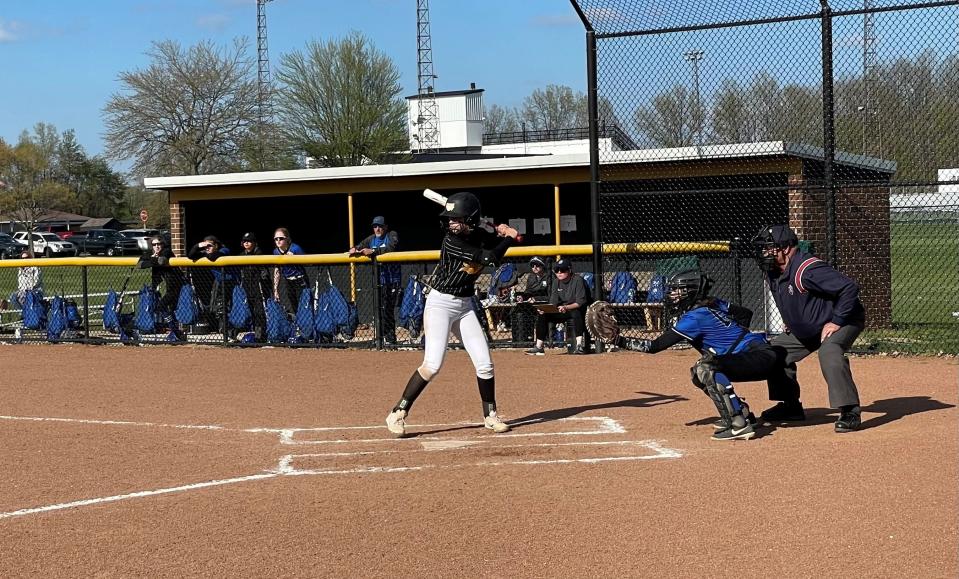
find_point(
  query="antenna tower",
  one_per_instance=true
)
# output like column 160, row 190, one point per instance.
column 427, row 120
column 264, row 89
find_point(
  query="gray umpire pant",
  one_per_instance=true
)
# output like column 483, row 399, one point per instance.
column 783, row 384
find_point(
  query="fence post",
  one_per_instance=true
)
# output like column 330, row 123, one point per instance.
column 224, row 323
column 737, row 270
column 594, row 201
column 829, row 131
column 377, row 317
column 84, row 289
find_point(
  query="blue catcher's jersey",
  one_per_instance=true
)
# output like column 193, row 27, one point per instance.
column 713, row 329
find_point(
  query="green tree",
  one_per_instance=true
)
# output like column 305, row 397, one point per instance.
column 187, row 113
column 339, row 102
column 28, row 193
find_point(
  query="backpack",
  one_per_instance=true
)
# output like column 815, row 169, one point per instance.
column 111, row 317
column 187, row 309
column 412, row 306
column 657, row 289
column 74, row 319
column 147, row 315
column 623, row 290
column 304, row 314
column 34, row 310
column 57, row 322
column 278, row 327
column 240, row 315
column 335, row 315
column 504, row 277
column 590, row 285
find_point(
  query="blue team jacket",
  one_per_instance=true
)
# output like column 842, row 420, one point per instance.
column 811, row 293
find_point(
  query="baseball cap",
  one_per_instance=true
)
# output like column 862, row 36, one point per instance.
column 248, row 236
column 379, row 220
column 562, row 265
column 782, row 236
column 538, row 261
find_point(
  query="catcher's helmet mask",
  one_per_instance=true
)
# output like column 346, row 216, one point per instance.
column 684, row 289
column 462, row 206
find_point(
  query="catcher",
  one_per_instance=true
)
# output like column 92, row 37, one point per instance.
column 719, row 331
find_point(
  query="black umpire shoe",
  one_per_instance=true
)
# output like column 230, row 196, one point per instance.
column 849, row 419
column 791, row 411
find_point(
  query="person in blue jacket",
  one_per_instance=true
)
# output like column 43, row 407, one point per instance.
column 383, row 240
column 822, row 312
column 730, row 352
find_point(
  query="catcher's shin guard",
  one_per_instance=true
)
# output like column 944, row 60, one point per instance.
column 720, row 390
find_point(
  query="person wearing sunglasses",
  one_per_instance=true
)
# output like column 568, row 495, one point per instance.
column 162, row 273
column 293, row 277
column 383, row 240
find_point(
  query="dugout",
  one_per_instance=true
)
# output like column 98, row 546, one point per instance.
column 718, row 192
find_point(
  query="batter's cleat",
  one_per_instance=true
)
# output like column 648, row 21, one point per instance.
column 849, row 421
column 495, row 423
column 396, row 422
column 723, row 425
column 784, row 412
column 534, row 351
column 744, row 433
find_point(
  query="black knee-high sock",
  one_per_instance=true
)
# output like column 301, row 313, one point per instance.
column 413, row 389
column 487, row 388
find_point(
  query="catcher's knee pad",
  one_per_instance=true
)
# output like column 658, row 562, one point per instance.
column 718, row 388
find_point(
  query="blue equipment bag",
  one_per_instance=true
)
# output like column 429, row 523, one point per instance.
column 412, row 306
column 34, row 310
column 278, row 327
column 57, row 322
column 304, row 314
column 623, row 290
column 187, row 309
column 74, row 320
column 146, row 314
column 657, row 289
column 111, row 318
column 240, row 314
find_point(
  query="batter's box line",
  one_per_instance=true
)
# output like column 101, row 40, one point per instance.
column 605, row 425
column 285, row 466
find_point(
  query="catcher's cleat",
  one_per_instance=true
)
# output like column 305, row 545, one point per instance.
column 723, row 425
column 744, row 433
column 495, row 423
column 396, row 422
column 601, row 323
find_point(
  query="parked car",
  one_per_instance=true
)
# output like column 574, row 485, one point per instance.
column 104, row 242
column 66, row 234
column 48, row 244
column 10, row 248
column 142, row 237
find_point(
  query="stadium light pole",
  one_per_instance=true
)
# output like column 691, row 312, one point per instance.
column 695, row 57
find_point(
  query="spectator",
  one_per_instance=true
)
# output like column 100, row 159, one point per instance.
column 255, row 280
column 571, row 297
column 539, row 282
column 162, row 273
column 292, row 276
column 822, row 312
column 28, row 278
column 223, row 278
column 383, row 240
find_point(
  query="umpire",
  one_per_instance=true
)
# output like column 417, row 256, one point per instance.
column 822, row 311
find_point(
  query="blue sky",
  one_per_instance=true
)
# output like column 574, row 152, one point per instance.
column 62, row 57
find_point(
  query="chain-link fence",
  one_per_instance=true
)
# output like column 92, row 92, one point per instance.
column 836, row 117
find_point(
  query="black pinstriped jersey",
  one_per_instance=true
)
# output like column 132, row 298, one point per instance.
column 462, row 258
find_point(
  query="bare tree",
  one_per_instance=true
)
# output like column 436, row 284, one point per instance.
column 554, row 108
column 187, row 113
column 671, row 119
column 501, row 120
column 339, row 102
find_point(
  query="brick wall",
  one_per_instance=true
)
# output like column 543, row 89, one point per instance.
column 862, row 239
column 177, row 228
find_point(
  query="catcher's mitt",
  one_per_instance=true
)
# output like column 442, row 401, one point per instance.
column 601, row 323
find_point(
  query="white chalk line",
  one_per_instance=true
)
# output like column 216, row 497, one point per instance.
column 285, row 468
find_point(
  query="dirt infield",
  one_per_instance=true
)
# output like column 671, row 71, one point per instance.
column 188, row 461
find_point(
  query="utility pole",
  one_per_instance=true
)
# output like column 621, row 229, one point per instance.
column 695, row 57
column 427, row 118
column 871, row 131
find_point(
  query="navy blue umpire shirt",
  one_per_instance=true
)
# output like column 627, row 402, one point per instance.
column 810, row 293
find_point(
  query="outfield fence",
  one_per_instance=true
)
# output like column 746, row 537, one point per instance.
column 837, row 117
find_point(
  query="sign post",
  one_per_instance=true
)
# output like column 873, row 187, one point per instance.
column 143, row 216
